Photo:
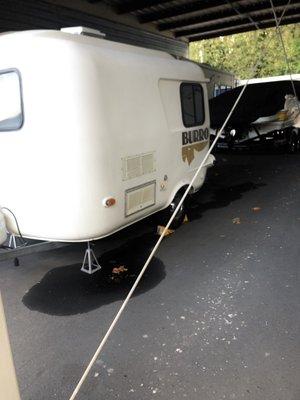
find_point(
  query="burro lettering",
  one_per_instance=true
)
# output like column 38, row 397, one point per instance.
column 194, row 136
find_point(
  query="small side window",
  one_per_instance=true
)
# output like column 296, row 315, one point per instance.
column 11, row 113
column 192, row 104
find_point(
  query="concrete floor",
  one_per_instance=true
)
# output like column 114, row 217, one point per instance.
column 216, row 316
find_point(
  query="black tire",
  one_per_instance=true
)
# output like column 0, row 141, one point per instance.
column 164, row 215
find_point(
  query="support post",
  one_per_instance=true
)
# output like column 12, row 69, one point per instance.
column 12, row 241
column 8, row 380
column 15, row 242
column 90, row 263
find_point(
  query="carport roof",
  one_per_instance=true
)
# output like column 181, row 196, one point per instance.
column 157, row 24
column 203, row 19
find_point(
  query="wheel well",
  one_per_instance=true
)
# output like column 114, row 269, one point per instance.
column 182, row 190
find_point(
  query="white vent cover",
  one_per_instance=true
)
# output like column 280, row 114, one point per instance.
column 139, row 198
column 82, row 30
column 139, row 165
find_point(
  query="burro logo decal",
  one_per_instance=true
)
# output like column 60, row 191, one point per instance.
column 192, row 141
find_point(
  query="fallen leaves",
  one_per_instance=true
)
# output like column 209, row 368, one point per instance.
column 255, row 209
column 160, row 230
column 119, row 270
column 237, row 220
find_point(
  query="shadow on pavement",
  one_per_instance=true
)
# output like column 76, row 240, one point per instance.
column 68, row 291
column 221, row 197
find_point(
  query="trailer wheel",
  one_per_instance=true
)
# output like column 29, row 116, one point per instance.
column 164, row 215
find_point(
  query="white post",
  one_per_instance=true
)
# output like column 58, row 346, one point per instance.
column 8, row 380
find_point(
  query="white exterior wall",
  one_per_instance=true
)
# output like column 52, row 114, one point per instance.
column 217, row 77
column 88, row 104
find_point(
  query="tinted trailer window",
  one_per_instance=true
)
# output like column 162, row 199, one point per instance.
column 192, row 105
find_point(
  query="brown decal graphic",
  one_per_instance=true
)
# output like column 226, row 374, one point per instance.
column 192, row 141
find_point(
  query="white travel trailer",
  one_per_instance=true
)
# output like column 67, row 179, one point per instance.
column 94, row 135
column 220, row 81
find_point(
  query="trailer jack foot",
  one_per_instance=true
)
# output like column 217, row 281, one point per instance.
column 90, row 263
column 13, row 242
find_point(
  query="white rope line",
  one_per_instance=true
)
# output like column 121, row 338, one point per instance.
column 243, row 14
column 115, row 320
column 283, row 12
column 140, row 275
column 278, row 30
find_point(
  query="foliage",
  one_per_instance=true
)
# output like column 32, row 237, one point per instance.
column 239, row 53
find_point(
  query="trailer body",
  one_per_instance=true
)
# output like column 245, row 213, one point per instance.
column 95, row 135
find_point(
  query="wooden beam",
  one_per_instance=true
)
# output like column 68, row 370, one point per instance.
column 228, row 24
column 181, row 9
column 134, row 5
column 226, row 13
column 244, row 28
column 8, row 379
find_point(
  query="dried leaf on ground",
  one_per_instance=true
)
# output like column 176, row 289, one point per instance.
column 119, row 270
column 255, row 209
column 236, row 220
column 186, row 220
column 161, row 228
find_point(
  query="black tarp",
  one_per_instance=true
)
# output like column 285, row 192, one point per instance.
column 259, row 100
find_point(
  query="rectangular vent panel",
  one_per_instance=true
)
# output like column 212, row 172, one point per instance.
column 139, row 165
column 139, row 198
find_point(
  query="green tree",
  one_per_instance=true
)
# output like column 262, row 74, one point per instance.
column 239, row 53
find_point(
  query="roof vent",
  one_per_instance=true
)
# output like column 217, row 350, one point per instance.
column 82, row 30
